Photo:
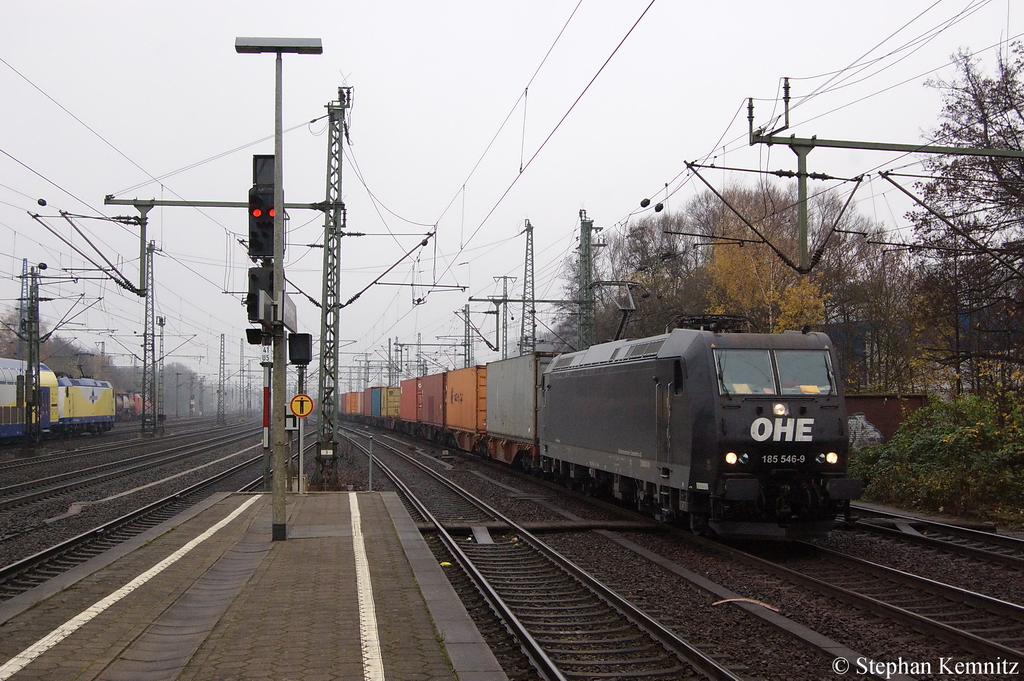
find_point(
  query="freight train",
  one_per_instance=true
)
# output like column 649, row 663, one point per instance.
column 741, row 435
column 128, row 406
column 69, row 406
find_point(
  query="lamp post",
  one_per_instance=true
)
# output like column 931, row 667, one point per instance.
column 279, row 443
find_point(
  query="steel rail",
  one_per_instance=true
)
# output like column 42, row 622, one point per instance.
column 807, row 637
column 103, row 472
column 109, row 445
column 105, row 530
column 965, row 639
column 907, row 528
column 529, row 645
column 684, row 650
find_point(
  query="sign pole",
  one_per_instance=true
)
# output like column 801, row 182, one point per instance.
column 301, row 406
column 302, row 434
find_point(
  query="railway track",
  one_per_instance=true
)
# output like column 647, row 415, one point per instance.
column 81, row 448
column 29, row 572
column 18, row 450
column 973, row 543
column 974, row 622
column 54, row 485
column 932, row 614
column 569, row 624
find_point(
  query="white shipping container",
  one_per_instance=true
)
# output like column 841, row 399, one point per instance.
column 513, row 393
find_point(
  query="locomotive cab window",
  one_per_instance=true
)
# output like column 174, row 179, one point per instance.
column 745, row 372
column 804, row 372
column 782, row 372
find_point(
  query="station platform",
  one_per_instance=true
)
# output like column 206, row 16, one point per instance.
column 353, row 593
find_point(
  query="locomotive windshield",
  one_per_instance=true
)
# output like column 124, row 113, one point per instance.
column 804, row 372
column 745, row 372
column 782, row 372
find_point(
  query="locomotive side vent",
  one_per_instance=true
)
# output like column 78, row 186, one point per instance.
column 644, row 349
column 563, row 361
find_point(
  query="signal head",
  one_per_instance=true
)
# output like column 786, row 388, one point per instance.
column 261, row 221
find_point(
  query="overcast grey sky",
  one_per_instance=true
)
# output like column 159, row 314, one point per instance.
column 150, row 100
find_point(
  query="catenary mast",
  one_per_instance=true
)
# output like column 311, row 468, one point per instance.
column 334, row 223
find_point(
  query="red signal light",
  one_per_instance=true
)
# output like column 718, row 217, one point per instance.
column 256, row 212
column 271, row 212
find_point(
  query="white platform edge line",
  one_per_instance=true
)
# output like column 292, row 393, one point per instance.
column 373, row 662
column 25, row 657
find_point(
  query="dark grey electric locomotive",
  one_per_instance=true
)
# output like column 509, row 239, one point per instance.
column 744, row 433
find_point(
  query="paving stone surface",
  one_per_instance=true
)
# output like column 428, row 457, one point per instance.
column 240, row 606
column 85, row 653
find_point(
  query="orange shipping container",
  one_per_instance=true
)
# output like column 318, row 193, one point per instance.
column 466, row 399
column 353, row 403
column 409, row 405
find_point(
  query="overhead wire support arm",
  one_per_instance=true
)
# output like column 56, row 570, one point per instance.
column 719, row 240
column 311, row 299
column 432, row 287
column 758, row 137
column 491, row 346
column 113, row 267
column 813, row 142
column 820, row 250
column 785, row 258
column 340, row 234
column 119, row 279
column 500, row 299
column 802, row 146
column 65, row 319
column 366, row 288
column 986, row 249
column 777, row 173
column 110, row 200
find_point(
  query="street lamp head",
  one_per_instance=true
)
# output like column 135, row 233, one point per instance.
column 278, row 45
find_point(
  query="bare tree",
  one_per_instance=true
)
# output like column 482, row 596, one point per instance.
column 971, row 277
column 705, row 259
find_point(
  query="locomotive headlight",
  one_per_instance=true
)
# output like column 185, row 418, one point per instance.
column 832, row 458
column 744, row 457
column 780, row 409
column 731, row 458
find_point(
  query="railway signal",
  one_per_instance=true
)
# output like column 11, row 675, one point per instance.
column 261, row 207
column 261, row 280
column 261, row 221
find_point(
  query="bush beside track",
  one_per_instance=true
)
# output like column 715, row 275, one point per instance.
column 963, row 457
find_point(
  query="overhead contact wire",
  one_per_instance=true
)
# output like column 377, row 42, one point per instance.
column 557, row 126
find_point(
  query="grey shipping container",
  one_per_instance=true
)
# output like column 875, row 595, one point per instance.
column 513, row 387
